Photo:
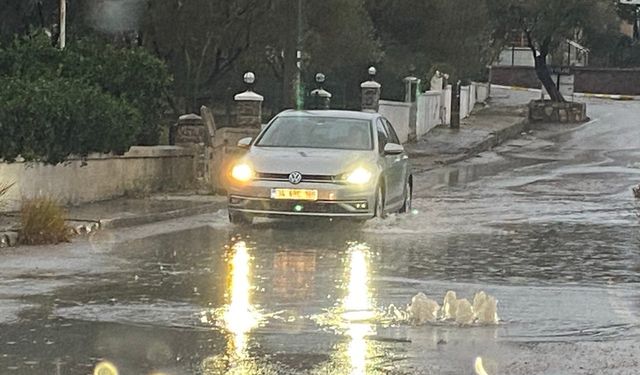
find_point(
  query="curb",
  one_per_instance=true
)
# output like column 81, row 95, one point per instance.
column 606, row 96
column 123, row 222
column 9, row 238
column 577, row 94
column 516, row 88
column 497, row 138
column 493, row 140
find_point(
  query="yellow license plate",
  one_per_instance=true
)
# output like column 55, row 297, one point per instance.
column 295, row 194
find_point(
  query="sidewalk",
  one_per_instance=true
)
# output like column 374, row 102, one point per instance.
column 483, row 130
column 123, row 212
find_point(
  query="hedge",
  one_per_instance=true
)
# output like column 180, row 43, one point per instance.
column 48, row 120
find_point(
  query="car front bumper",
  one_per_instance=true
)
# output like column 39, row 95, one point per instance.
column 334, row 200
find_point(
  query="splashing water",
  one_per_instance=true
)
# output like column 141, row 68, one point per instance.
column 423, row 310
column 484, row 310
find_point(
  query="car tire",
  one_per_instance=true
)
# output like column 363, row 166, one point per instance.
column 239, row 218
column 408, row 199
column 379, row 207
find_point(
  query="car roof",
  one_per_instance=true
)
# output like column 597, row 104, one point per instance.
column 331, row 113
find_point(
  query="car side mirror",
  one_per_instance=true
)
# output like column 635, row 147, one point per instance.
column 393, row 149
column 245, row 142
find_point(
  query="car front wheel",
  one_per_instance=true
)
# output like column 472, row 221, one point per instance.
column 379, row 212
column 408, row 195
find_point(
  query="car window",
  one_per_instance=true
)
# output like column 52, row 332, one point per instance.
column 383, row 137
column 393, row 137
column 318, row 132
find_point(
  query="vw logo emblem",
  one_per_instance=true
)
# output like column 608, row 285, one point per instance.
column 295, row 177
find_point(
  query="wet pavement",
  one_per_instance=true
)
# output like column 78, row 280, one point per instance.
column 545, row 223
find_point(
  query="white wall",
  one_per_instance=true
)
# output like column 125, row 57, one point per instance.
column 433, row 109
column 429, row 112
column 399, row 114
column 464, row 102
column 472, row 97
column 482, row 92
column 146, row 169
column 447, row 104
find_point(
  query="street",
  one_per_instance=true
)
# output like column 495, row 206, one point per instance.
column 545, row 223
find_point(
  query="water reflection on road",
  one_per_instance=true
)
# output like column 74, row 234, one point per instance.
column 556, row 242
column 237, row 317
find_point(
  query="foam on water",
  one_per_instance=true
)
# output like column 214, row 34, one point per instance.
column 424, row 310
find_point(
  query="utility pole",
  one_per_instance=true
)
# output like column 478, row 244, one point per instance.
column 299, row 91
column 63, row 24
column 292, row 94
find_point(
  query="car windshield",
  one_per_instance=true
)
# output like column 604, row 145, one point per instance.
column 318, row 132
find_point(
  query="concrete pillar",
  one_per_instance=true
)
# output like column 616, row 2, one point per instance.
column 411, row 88
column 371, row 91
column 189, row 130
column 249, row 105
column 320, row 98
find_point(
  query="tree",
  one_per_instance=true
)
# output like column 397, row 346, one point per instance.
column 201, row 40
column 545, row 24
column 337, row 39
column 89, row 97
column 418, row 35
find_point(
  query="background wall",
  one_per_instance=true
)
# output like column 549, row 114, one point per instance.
column 587, row 80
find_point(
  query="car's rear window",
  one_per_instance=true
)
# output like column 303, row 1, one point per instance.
column 318, row 132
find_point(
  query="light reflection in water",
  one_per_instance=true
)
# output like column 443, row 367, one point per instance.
column 358, row 308
column 240, row 317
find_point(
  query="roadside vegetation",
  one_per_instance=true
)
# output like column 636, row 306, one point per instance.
column 90, row 97
column 43, row 221
column 115, row 73
column 4, row 189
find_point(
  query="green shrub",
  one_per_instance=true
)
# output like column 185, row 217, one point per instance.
column 49, row 119
column 131, row 76
column 43, row 222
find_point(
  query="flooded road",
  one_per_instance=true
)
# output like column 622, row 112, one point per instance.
column 546, row 224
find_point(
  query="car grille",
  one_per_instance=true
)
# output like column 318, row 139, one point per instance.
column 322, row 207
column 316, row 178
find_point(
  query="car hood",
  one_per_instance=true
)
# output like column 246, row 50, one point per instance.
column 306, row 161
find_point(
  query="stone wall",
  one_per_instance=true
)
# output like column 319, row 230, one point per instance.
column 587, row 79
column 101, row 177
column 550, row 112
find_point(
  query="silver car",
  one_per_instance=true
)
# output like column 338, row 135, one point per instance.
column 321, row 163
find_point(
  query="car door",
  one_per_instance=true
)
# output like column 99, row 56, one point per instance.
column 401, row 162
column 391, row 165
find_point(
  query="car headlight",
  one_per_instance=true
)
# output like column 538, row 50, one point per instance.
column 360, row 176
column 242, row 173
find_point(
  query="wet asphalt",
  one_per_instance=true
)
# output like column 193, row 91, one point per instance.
column 546, row 223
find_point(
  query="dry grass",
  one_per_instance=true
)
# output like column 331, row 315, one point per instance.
column 4, row 189
column 43, row 222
